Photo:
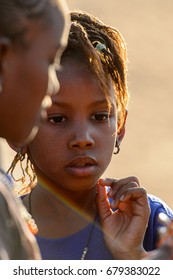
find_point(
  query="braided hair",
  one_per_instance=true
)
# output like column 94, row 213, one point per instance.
column 103, row 49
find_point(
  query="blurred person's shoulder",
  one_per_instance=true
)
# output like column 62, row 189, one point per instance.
column 16, row 242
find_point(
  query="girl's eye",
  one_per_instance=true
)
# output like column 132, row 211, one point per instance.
column 100, row 117
column 56, row 119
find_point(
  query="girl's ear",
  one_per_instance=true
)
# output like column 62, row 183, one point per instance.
column 18, row 148
column 121, row 133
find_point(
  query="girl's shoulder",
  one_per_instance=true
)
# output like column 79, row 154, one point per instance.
column 157, row 205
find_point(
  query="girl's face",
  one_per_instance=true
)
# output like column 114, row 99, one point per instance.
column 25, row 78
column 75, row 146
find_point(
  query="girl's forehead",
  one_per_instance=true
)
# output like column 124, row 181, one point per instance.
column 83, row 98
column 77, row 76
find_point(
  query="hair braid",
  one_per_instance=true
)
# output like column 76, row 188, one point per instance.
column 108, row 63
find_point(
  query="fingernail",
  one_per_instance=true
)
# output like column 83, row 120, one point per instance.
column 102, row 181
column 122, row 197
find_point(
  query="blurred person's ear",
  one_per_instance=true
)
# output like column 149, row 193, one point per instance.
column 18, row 148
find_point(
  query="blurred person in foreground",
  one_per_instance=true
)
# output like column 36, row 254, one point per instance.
column 33, row 35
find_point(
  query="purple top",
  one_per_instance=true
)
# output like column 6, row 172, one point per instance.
column 71, row 247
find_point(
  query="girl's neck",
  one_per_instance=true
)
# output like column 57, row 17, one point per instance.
column 83, row 201
column 61, row 214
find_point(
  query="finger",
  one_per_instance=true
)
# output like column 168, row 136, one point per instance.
column 136, row 193
column 117, row 184
column 116, row 194
column 102, row 202
column 107, row 181
column 110, row 181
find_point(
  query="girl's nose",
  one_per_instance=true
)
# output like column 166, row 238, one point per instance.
column 81, row 140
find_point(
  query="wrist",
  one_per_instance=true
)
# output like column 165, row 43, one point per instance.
column 138, row 254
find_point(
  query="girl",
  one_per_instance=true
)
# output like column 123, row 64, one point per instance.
column 79, row 215
column 31, row 32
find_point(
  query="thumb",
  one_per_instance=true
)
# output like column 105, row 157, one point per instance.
column 102, row 202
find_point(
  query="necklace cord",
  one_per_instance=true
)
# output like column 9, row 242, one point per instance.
column 85, row 250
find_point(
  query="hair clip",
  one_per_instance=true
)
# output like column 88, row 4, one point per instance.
column 99, row 46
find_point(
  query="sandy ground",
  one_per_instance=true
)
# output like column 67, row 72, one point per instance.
column 147, row 149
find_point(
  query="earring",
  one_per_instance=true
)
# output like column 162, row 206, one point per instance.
column 19, row 157
column 117, row 146
column 28, row 178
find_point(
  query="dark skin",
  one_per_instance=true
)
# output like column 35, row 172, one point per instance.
column 22, row 98
column 79, row 129
column 24, row 78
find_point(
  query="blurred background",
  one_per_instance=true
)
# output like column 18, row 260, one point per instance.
column 147, row 149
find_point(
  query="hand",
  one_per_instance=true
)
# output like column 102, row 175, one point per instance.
column 124, row 227
column 164, row 252
column 165, row 243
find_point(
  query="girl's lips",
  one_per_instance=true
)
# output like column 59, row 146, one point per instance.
column 84, row 171
column 82, row 166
